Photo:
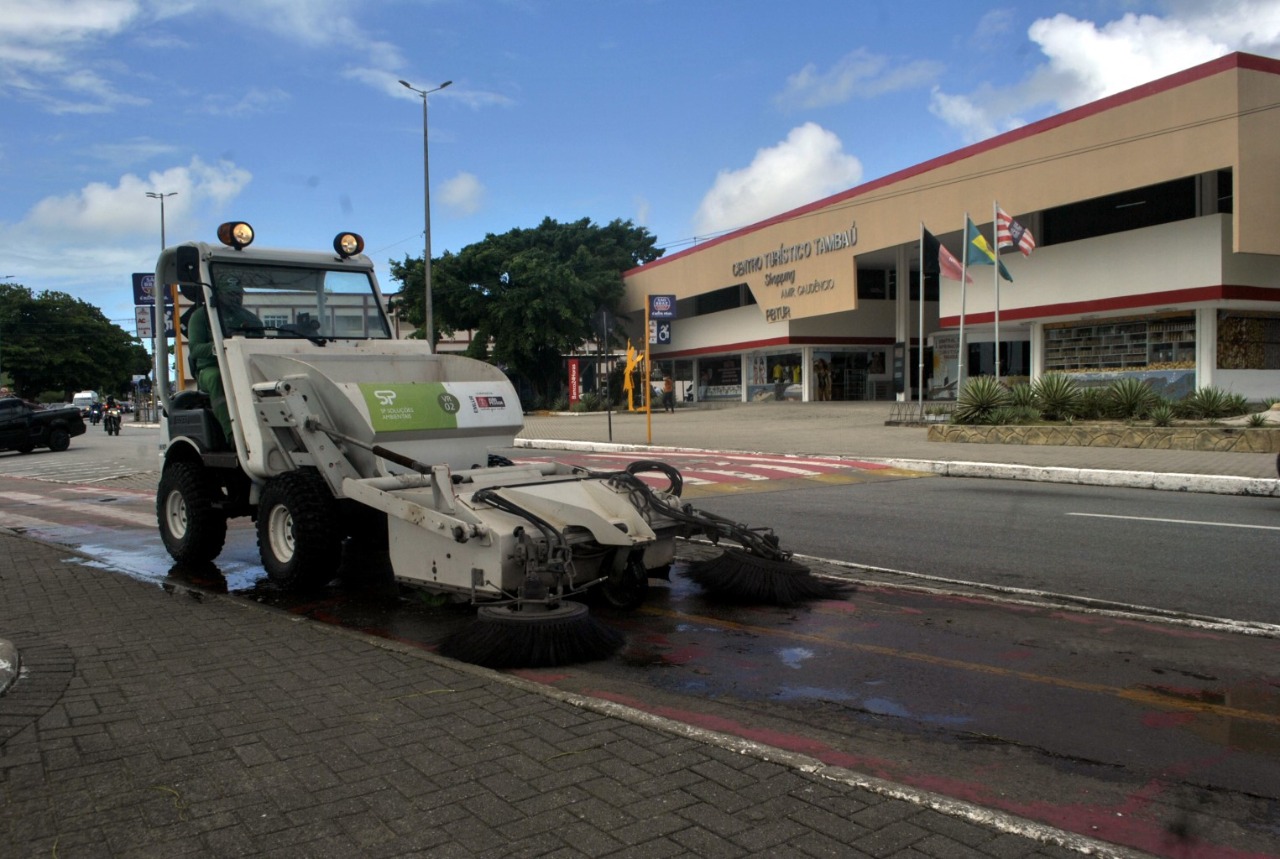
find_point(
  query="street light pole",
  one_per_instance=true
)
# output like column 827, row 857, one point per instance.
column 426, row 204
column 157, row 196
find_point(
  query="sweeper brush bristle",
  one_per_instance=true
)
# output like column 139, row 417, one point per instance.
column 742, row 577
column 534, row 637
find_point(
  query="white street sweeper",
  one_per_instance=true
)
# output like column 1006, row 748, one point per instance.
column 310, row 418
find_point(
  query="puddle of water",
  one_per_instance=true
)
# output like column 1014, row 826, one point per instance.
column 1245, row 717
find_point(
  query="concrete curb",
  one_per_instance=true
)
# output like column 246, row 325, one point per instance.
column 1206, row 483
column 1213, row 484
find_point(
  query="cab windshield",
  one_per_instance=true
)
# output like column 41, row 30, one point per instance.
column 291, row 301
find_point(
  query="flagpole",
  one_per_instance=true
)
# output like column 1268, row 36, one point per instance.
column 920, row 345
column 995, row 247
column 964, row 279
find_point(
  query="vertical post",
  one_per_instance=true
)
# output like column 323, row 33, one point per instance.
column 920, row 343
column 648, row 373
column 428, row 311
column 995, row 249
column 964, row 279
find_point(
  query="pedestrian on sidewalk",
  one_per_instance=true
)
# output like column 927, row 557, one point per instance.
column 668, row 394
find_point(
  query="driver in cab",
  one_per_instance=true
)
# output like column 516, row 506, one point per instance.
column 235, row 319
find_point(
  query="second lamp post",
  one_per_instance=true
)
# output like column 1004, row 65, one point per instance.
column 426, row 197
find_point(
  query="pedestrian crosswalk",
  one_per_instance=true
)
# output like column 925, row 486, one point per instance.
column 712, row 473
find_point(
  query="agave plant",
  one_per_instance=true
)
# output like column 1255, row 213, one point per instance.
column 1130, row 398
column 1092, row 404
column 978, row 402
column 1213, row 403
column 1023, row 396
column 1161, row 414
column 1056, row 395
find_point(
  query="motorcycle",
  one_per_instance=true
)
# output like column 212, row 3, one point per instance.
column 111, row 421
column 95, row 413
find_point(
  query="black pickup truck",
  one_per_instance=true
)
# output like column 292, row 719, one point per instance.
column 25, row 426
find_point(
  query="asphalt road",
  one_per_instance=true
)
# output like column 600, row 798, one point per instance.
column 1198, row 553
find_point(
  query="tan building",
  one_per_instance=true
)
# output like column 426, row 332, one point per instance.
column 1156, row 217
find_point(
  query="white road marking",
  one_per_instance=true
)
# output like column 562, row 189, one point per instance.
column 1179, row 521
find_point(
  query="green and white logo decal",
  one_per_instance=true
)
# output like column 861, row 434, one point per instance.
column 410, row 406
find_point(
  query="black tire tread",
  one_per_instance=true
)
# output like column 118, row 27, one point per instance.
column 316, row 532
column 206, row 524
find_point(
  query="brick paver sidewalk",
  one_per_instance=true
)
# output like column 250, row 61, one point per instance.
column 156, row 723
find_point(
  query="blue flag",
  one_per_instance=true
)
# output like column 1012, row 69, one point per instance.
column 979, row 252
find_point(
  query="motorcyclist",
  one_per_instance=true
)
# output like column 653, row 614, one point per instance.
column 110, row 414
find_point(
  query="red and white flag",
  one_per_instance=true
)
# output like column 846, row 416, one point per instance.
column 1011, row 234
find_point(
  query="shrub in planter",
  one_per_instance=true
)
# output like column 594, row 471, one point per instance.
column 1023, row 396
column 1056, row 395
column 1210, row 404
column 979, row 399
column 1091, row 405
column 1130, row 398
column 1161, row 414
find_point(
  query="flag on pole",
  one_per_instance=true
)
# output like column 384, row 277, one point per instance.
column 1011, row 234
column 978, row 251
column 940, row 261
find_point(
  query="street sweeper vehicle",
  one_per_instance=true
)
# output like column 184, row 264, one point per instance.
column 311, row 419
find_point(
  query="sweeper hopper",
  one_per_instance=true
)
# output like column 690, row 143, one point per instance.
column 309, row 417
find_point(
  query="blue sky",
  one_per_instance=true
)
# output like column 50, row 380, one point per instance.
column 688, row 117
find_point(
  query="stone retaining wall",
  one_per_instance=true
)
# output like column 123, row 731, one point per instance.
column 1237, row 439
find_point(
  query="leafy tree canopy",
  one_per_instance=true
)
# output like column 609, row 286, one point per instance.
column 529, row 294
column 52, row 341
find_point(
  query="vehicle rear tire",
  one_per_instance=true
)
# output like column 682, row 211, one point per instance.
column 299, row 539
column 193, row 530
column 59, row 439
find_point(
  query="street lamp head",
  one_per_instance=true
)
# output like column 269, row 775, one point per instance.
column 424, row 92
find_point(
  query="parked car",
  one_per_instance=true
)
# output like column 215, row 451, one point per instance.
column 25, row 426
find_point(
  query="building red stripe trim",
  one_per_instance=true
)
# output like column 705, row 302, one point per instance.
column 1147, row 302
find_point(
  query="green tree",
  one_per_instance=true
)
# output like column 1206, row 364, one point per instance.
column 52, row 341
column 529, row 294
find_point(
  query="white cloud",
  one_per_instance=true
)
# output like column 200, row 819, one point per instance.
column 463, row 194
column 1085, row 61
column 808, row 165
column 859, row 74
column 102, row 211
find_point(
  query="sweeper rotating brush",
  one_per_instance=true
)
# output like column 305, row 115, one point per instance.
column 759, row 572
column 532, row 635
column 737, row 575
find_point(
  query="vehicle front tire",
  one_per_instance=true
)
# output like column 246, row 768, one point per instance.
column 627, row 588
column 299, row 539
column 59, row 439
column 193, row 530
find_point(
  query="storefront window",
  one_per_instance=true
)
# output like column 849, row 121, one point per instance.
column 1248, row 340
column 1122, row 344
column 776, row 377
column 724, row 377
